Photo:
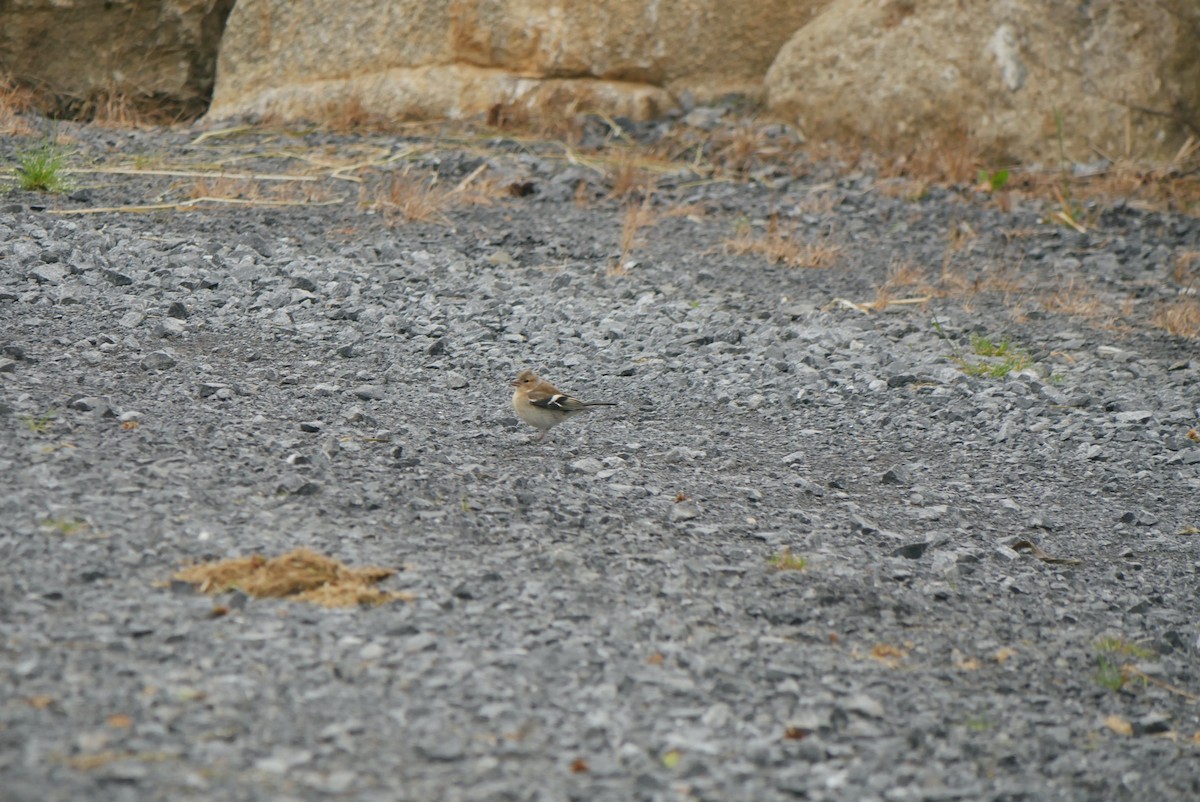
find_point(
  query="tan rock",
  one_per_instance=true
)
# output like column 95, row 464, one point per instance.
column 1123, row 74
column 79, row 50
column 403, row 58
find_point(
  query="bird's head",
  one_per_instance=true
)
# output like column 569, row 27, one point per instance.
column 525, row 379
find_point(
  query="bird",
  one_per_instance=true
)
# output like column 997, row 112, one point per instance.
column 543, row 406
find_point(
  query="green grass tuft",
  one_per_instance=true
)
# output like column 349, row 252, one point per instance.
column 39, row 425
column 786, row 561
column 42, row 169
column 1002, row 357
column 1123, row 647
column 1111, row 671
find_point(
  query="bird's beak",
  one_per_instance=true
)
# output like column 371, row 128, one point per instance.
column 513, row 383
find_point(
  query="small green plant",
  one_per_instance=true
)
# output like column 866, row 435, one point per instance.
column 1111, row 671
column 983, row 346
column 65, row 526
column 993, row 181
column 978, row 724
column 39, row 425
column 41, row 169
column 1123, row 647
column 785, row 560
column 1069, row 211
column 1008, row 357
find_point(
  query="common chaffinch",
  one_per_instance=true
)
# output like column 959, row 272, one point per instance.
column 543, row 406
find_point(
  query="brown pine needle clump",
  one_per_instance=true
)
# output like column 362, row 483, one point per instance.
column 1181, row 318
column 299, row 575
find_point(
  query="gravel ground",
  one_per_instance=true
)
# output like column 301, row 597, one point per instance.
column 1002, row 592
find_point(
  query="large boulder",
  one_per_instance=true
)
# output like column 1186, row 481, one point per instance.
column 79, row 53
column 417, row 58
column 1122, row 76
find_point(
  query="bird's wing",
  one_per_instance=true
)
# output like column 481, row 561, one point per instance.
column 557, row 401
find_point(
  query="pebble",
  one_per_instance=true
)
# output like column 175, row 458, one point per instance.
column 685, row 510
column 157, row 360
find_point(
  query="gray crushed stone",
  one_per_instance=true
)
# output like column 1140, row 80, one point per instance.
column 595, row 617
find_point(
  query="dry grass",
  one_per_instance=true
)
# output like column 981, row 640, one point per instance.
column 112, row 107
column 628, row 178
column 1018, row 233
column 224, row 188
column 780, row 246
column 741, row 147
column 112, row 110
column 300, row 575
column 734, row 149
column 953, row 159
column 750, row 145
column 407, row 197
column 637, row 217
column 906, row 274
column 961, row 236
column 1075, row 300
column 349, row 114
column 1186, row 272
column 515, row 118
column 15, row 101
column 1181, row 318
column 906, row 169
column 691, row 211
column 243, row 189
column 583, row 195
column 1171, row 187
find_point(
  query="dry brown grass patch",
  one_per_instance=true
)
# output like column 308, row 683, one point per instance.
column 781, row 246
column 1181, row 318
column 112, row 107
column 300, row 575
column 906, row 274
column 1174, row 186
column 740, row 147
column 243, row 189
column 956, row 159
column 1076, row 300
column 563, row 120
column 112, row 110
column 410, row 197
column 1018, row 233
column 628, row 177
column 692, row 211
column 1186, row 272
column 15, row 102
column 350, row 114
column 903, row 275
column 583, row 195
column 224, row 188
